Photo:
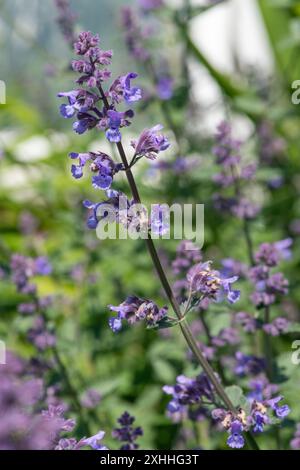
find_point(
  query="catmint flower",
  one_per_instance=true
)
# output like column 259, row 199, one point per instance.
column 101, row 165
column 116, row 206
column 187, row 254
column 279, row 326
column 232, row 267
column 248, row 364
column 247, row 322
column 69, row 444
column 280, row 411
column 271, row 147
column 91, row 399
column 232, row 175
column 150, row 144
column 86, row 42
column 79, row 101
column 148, row 5
column 25, row 268
column 134, row 309
column 227, row 336
column 66, row 20
column 42, row 266
column 135, row 35
column 271, row 253
column 28, row 223
column 40, row 336
column 115, row 121
column 165, row 88
column 84, row 104
column 295, row 442
column 160, row 223
column 95, row 441
column 261, row 389
column 235, row 439
column 57, row 413
column 188, row 392
column 121, row 89
column 27, row 308
column 127, row 434
column 209, row 283
column 21, row 428
column 227, row 149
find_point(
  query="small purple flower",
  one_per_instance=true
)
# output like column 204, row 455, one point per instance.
column 134, row 309
column 236, row 440
column 115, row 121
column 209, row 283
column 95, row 441
column 279, row 326
column 259, row 421
column 248, row 364
column 91, row 399
column 271, row 253
column 188, row 391
column 280, row 411
column 121, row 89
column 85, row 42
column 247, row 321
column 66, row 20
column 295, row 442
column 150, row 144
column 42, row 266
column 165, row 88
column 56, row 413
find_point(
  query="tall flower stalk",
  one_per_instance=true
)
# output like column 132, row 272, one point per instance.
column 84, row 104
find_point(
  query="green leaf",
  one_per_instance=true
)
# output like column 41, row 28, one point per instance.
column 164, row 323
column 235, row 394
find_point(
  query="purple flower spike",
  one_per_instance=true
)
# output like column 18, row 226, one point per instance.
column 150, row 144
column 127, row 434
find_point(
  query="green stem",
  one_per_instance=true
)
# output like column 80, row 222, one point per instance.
column 184, row 327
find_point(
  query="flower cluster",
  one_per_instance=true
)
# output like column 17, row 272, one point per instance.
column 21, row 428
column 25, row 268
column 135, row 309
column 92, row 108
column 232, row 175
column 187, row 392
column 208, row 283
column 151, row 4
column 84, row 104
column 295, row 442
column 269, row 286
column 271, row 147
column 126, row 433
column 256, row 419
column 137, row 34
column 101, row 165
